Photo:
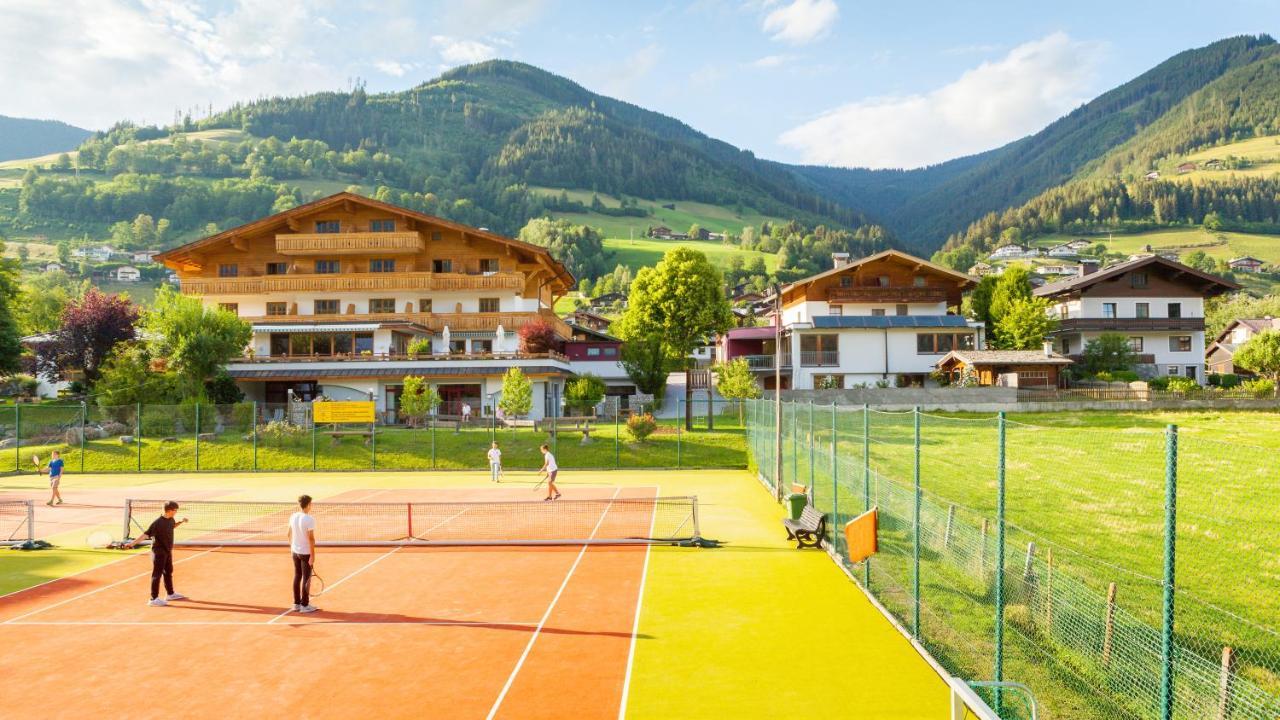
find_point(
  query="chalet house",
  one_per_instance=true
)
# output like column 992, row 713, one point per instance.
column 1219, row 356
column 1014, row 251
column 1186, row 167
column 883, row 318
column 126, row 273
column 599, row 353
column 980, row 269
column 145, row 257
column 1057, row 270
column 1245, row 264
column 1069, row 249
column 336, row 290
column 1006, row 368
column 1153, row 175
column 661, row 232
column 607, row 299
column 588, row 319
column 1155, row 302
column 96, row 254
column 54, row 267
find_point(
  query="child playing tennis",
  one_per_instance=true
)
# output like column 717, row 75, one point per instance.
column 495, row 462
column 55, row 478
column 302, row 545
column 550, row 467
column 161, row 534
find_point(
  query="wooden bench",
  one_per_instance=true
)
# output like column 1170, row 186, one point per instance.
column 337, row 435
column 808, row 530
column 582, row 422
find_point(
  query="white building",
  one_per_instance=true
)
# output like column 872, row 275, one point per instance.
column 100, row 254
column 1014, row 252
column 1155, row 302
column 884, row 319
column 145, row 257
column 1068, row 249
column 127, row 273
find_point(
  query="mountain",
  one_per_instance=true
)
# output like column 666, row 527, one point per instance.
column 22, row 137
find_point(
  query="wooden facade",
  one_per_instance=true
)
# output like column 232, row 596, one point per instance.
column 886, row 277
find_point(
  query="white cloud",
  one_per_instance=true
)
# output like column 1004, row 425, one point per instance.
column 987, row 106
column 620, row 80
column 771, row 61
column 801, row 21
column 393, row 68
column 458, row 51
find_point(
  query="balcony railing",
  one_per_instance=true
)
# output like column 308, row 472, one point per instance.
column 819, row 358
column 436, row 322
column 886, row 294
column 1071, row 324
column 353, row 282
column 350, row 243
column 400, row 357
column 765, row 362
column 1140, row 359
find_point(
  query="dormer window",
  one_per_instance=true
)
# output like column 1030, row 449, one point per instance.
column 917, row 281
column 328, row 226
column 1137, row 280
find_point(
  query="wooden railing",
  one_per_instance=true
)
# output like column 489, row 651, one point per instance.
column 353, row 282
column 401, row 357
column 436, row 322
column 886, row 294
column 349, row 243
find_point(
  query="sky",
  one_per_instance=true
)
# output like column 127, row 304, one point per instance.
column 833, row 82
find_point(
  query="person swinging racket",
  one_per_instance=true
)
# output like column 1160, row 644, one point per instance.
column 161, row 534
column 302, row 545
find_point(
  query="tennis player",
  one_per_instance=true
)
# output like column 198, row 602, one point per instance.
column 161, row 534
column 302, row 544
column 495, row 462
column 550, row 467
column 55, row 478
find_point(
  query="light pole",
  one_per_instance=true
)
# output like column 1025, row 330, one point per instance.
column 777, row 390
column 493, row 412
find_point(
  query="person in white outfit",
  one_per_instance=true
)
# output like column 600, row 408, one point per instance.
column 302, row 545
column 495, row 463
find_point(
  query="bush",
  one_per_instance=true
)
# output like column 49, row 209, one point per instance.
column 421, row 346
column 1226, row 381
column 1260, row 387
column 640, row 427
column 538, row 337
column 1117, row 376
column 1182, row 385
column 1158, row 383
column 278, row 432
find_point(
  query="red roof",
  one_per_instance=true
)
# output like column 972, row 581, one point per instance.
column 752, row 333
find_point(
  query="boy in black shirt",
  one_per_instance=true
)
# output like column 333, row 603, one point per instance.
column 161, row 534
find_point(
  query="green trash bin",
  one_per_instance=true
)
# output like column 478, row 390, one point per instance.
column 796, row 502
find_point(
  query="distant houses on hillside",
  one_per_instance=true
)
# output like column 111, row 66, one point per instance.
column 662, row 232
column 1245, row 264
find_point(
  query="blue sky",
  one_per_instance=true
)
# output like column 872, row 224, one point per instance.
column 881, row 84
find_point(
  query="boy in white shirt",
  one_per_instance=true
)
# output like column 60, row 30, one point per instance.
column 495, row 463
column 302, row 545
column 550, row 467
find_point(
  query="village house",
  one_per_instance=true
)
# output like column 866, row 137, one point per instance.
column 145, row 257
column 588, row 319
column 1006, row 368
column 100, row 254
column 1157, row 303
column 1245, row 264
column 126, row 273
column 1219, row 357
column 1186, row 167
column 1014, row 252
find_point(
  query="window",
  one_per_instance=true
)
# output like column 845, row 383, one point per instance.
column 611, row 351
column 1138, row 279
column 836, row 309
column 846, row 281
column 1180, row 343
column 883, row 281
column 457, row 347
column 437, row 236
column 1135, row 344
column 1171, row 370
column 942, row 343
column 917, row 281
column 233, row 308
column 442, row 266
column 326, row 307
column 593, row 352
column 901, row 309
column 382, row 305
column 279, row 344
column 877, row 312
column 828, row 382
column 228, row 270
column 277, row 268
column 482, row 347
column 1109, row 310
column 328, row 226
column 424, row 305
column 488, row 305
column 1193, row 372
column 1142, row 310
column 965, row 341
column 277, row 308
column 816, row 350
column 488, row 266
column 382, row 226
column 1175, row 310
column 364, row 342
column 326, row 267
column 382, row 265
column 1066, row 346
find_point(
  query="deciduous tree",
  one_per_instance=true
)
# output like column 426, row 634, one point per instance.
column 1109, row 352
column 517, row 393
column 1025, row 325
column 89, row 329
column 196, row 340
column 1261, row 354
column 679, row 302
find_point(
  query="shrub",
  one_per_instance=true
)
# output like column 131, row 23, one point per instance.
column 1158, row 383
column 640, row 427
column 279, row 431
column 1117, row 376
column 1182, row 385
column 1260, row 387
column 538, row 337
column 1225, row 381
column 421, row 346
column 584, row 393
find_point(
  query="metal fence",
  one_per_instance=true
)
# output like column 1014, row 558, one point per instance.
column 252, row 437
column 1120, row 572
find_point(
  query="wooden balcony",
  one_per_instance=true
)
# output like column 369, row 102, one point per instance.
column 1129, row 324
column 887, row 295
column 350, row 243
column 354, row 282
column 435, row 322
column 399, row 357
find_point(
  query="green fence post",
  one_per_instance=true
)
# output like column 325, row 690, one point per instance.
column 197, row 437
column 866, row 482
column 17, row 437
column 254, row 421
column 999, row 630
column 617, row 429
column 795, row 440
column 373, row 443
column 811, row 444
column 915, row 531
column 835, row 485
column 679, row 422
column 84, row 410
column 138, row 435
column 432, row 423
column 1170, row 547
column 313, row 439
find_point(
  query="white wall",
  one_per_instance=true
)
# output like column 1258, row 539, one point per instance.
column 1126, row 307
column 256, row 305
column 807, row 311
column 1156, row 343
column 862, row 355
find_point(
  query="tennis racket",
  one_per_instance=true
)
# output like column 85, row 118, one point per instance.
column 35, row 460
column 317, row 583
column 542, row 477
column 100, row 540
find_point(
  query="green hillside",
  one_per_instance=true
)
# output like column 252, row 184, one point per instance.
column 22, row 137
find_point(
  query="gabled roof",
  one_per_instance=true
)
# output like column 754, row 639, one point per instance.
column 1257, row 325
column 1005, row 357
column 1245, row 258
column 1217, row 284
column 281, row 219
column 882, row 255
column 603, row 336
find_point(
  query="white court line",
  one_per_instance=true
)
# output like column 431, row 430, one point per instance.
column 449, row 519
column 248, row 623
column 547, row 615
column 362, row 568
column 635, row 627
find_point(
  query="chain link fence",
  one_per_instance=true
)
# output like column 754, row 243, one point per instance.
column 257, row 437
column 1119, row 572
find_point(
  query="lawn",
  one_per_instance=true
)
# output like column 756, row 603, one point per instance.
column 646, row 252
column 1088, row 487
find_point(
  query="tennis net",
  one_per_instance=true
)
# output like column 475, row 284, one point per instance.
column 560, row 522
column 17, row 520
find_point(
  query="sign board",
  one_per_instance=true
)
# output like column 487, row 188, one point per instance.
column 641, row 399
column 333, row 411
column 861, row 535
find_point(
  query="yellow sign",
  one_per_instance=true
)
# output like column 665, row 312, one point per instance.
column 343, row 412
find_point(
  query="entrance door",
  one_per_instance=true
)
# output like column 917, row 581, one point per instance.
column 453, row 397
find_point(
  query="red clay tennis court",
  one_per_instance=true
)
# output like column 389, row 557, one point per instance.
column 432, row 623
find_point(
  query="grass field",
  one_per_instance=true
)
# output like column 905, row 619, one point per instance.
column 1263, row 152
column 712, row 637
column 646, row 252
column 213, row 136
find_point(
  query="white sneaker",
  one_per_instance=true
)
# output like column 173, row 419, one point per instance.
column 158, row 602
column 296, row 607
column 176, row 596
column 308, row 609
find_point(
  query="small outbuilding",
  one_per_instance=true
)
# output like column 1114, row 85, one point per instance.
column 1009, row 368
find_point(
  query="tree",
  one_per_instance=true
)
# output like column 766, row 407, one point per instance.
column 679, row 302
column 735, row 381
column 517, row 393
column 695, row 232
column 647, row 366
column 538, row 337
column 90, row 328
column 1014, row 285
column 195, row 340
column 1261, row 354
column 10, row 336
column 417, row 399
column 64, row 253
column 24, row 252
column 979, row 299
column 584, row 393
column 1025, row 325
column 578, row 247
column 1109, row 352
column 126, row 378
column 43, row 298
column 1212, row 221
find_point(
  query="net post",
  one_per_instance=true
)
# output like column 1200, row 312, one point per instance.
column 17, row 437
column 866, row 481
column 31, row 521
column 1170, row 556
column 128, row 513
column 137, row 438
column 409, row 511
column 313, row 437
column 998, row 675
column 431, row 421
column 915, row 529
column 84, row 410
column 254, row 422
column 697, row 528
column 679, row 422
column 197, row 437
